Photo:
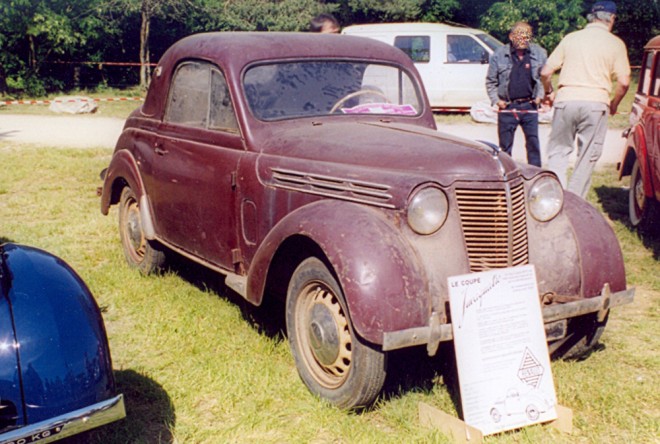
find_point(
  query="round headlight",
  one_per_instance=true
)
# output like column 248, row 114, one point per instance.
column 546, row 198
column 427, row 210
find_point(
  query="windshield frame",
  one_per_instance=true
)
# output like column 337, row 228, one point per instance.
column 413, row 84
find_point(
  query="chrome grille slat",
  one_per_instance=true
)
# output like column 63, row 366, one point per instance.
column 494, row 226
column 319, row 184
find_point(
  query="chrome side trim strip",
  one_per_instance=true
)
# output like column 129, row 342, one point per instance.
column 69, row 424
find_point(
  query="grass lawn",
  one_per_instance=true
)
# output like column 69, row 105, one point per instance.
column 199, row 365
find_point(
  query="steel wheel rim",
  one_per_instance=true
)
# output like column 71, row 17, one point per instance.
column 132, row 227
column 324, row 336
column 638, row 193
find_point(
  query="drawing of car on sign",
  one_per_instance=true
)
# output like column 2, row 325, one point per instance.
column 531, row 404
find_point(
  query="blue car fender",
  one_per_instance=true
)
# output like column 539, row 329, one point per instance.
column 59, row 337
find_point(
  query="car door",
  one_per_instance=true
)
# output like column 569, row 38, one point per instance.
column 191, row 180
column 463, row 76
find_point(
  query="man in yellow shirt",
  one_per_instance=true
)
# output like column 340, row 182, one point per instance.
column 589, row 59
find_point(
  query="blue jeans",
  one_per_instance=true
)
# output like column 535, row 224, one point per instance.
column 507, row 123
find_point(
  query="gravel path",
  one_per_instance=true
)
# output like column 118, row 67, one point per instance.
column 102, row 132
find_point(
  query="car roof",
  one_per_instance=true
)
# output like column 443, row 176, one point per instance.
column 411, row 27
column 654, row 43
column 233, row 51
column 240, row 48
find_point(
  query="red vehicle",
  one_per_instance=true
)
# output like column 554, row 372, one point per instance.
column 641, row 158
column 309, row 168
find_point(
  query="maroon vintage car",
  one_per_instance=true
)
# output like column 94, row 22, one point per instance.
column 641, row 158
column 309, row 167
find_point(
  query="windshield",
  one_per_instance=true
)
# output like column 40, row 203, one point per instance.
column 489, row 40
column 305, row 89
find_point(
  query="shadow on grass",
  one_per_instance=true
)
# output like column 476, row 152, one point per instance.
column 614, row 201
column 267, row 319
column 150, row 415
column 412, row 370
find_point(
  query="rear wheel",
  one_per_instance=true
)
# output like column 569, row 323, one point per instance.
column 332, row 361
column 140, row 253
column 583, row 334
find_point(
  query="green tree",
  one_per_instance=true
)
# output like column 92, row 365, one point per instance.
column 439, row 10
column 550, row 20
column 34, row 33
column 636, row 24
column 257, row 15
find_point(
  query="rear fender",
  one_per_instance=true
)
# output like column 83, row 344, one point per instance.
column 123, row 170
column 382, row 278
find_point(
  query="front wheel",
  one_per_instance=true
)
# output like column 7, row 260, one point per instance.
column 640, row 208
column 332, row 361
column 139, row 252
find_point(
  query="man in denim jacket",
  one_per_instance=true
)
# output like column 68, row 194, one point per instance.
column 514, row 86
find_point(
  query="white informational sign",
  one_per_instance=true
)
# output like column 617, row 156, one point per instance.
column 501, row 352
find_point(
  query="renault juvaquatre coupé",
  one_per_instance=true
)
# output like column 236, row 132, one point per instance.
column 309, row 167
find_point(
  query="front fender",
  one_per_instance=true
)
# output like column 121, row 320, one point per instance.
column 63, row 356
column 599, row 253
column 380, row 273
column 636, row 149
column 122, row 169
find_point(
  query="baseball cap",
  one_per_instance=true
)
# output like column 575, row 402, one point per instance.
column 605, row 6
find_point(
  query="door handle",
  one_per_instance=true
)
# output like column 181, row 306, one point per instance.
column 158, row 149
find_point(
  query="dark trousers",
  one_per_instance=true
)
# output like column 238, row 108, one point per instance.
column 507, row 123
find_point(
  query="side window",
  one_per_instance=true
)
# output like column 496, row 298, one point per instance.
column 418, row 48
column 189, row 95
column 465, row 49
column 199, row 97
column 222, row 115
column 645, row 80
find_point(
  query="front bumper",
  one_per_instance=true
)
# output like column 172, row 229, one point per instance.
column 553, row 317
column 69, row 424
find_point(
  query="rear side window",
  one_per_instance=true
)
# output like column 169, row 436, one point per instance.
column 465, row 49
column 199, row 97
column 418, row 47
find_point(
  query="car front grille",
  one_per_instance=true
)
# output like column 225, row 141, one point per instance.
column 494, row 226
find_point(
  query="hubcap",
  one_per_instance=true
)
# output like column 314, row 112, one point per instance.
column 134, row 229
column 323, row 336
column 639, row 194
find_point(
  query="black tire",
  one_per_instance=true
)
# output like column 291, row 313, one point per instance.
column 583, row 334
column 140, row 253
column 639, row 206
column 331, row 359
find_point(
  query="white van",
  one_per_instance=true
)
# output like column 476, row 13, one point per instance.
column 452, row 60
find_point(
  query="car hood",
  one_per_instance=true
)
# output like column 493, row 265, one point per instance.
column 415, row 151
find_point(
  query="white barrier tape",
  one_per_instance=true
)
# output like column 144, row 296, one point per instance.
column 48, row 102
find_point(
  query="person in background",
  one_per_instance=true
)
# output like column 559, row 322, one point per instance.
column 325, row 23
column 513, row 84
column 589, row 60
